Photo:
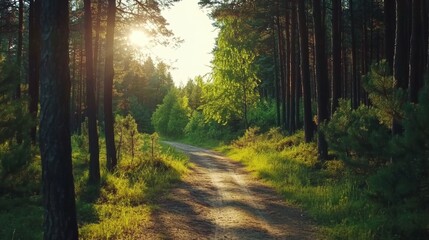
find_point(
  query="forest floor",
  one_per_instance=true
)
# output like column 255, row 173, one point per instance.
column 219, row 199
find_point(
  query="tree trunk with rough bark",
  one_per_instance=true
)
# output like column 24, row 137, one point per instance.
column 305, row 72
column 55, row 145
column 94, row 162
column 108, row 88
column 321, row 78
column 33, row 63
column 336, row 53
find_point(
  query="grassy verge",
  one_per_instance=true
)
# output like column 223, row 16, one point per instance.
column 115, row 209
column 331, row 195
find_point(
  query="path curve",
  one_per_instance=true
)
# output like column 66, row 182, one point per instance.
column 219, row 199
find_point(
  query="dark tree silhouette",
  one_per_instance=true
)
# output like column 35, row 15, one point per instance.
column 94, row 163
column 293, row 73
column 33, row 62
column 416, row 52
column 336, row 53
column 305, row 71
column 400, row 61
column 108, row 87
column 55, row 146
column 389, row 30
column 19, row 46
column 321, row 78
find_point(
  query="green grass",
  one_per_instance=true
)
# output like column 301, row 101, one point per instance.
column 331, row 195
column 115, row 209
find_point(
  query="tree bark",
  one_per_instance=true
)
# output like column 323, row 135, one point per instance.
column 97, row 77
column 19, row 47
column 108, row 88
column 402, row 40
column 94, row 162
column 276, row 55
column 282, row 63
column 305, row 72
column 33, row 63
column 389, row 31
column 292, row 64
column 55, row 145
column 354, row 77
column 288, row 67
column 322, row 79
column 336, row 53
column 416, row 53
column 400, row 62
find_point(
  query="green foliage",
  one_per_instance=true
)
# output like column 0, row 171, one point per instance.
column 263, row 115
column 21, row 217
column 396, row 166
column 115, row 209
column 358, row 137
column 170, row 118
column 20, row 203
column 141, row 114
column 140, row 88
column 15, row 124
column 193, row 92
column 199, row 129
column 402, row 188
column 128, row 140
column 233, row 89
column 123, row 202
column 386, row 98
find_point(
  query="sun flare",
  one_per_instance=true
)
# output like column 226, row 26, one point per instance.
column 138, row 38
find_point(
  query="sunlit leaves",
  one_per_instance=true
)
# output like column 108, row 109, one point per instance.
column 232, row 89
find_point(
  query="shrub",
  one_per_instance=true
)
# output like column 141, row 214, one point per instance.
column 358, row 137
column 170, row 118
column 128, row 141
column 200, row 128
column 263, row 115
column 402, row 187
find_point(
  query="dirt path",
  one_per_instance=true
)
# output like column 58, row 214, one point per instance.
column 219, row 200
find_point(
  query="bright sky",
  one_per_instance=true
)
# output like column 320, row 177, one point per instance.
column 193, row 57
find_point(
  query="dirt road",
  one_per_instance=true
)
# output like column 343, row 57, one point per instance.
column 220, row 200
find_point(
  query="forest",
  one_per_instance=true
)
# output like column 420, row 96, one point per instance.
column 325, row 101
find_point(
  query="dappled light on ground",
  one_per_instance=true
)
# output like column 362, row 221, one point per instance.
column 219, row 200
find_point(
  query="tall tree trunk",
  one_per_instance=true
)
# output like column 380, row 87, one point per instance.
column 322, row 78
column 55, row 145
column 288, row 76
column 33, row 63
column 416, row 53
column 276, row 41
column 73, row 118
column 97, row 56
column 336, row 53
column 282, row 59
column 292, row 64
column 19, row 47
column 354, row 78
column 108, row 88
column 94, row 163
column 400, row 62
column 305, row 72
column 298, row 88
column 402, row 40
column 345, row 64
column 389, row 31
column 425, row 33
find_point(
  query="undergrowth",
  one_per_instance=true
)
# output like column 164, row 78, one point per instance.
column 333, row 196
column 115, row 209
